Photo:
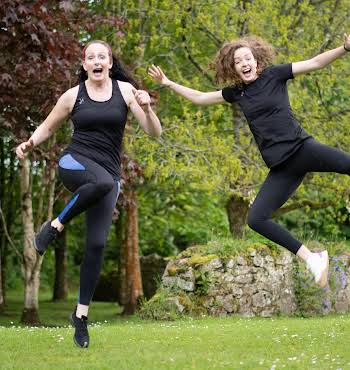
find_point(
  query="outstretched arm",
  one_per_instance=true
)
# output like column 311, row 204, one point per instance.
column 194, row 96
column 321, row 60
column 61, row 111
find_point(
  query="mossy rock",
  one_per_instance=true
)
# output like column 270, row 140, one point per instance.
column 199, row 259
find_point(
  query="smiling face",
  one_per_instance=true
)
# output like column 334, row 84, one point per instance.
column 97, row 61
column 245, row 65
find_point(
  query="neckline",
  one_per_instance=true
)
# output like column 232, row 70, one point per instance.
column 98, row 101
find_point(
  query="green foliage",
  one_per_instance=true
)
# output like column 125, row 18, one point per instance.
column 172, row 218
column 210, row 149
column 230, row 247
column 309, row 297
column 160, row 306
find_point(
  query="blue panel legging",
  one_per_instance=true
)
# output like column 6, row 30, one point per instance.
column 284, row 179
column 94, row 192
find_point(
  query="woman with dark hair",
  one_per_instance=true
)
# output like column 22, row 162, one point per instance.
column 260, row 90
column 90, row 166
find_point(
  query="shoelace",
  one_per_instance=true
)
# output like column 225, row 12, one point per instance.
column 53, row 232
column 82, row 324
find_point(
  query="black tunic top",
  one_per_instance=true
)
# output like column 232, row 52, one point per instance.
column 265, row 104
column 99, row 128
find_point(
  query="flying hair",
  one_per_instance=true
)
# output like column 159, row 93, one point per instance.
column 224, row 63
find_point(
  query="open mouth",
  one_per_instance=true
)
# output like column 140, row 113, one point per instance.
column 97, row 71
column 247, row 72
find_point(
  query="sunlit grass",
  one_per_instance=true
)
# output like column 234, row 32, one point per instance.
column 204, row 343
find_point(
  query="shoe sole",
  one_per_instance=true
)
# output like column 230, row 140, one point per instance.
column 40, row 252
column 86, row 344
column 322, row 281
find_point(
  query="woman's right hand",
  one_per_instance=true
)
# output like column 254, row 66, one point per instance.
column 24, row 148
column 158, row 75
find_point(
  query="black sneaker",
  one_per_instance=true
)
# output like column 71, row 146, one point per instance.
column 44, row 237
column 81, row 335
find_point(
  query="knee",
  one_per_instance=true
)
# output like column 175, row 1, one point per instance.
column 94, row 251
column 254, row 220
column 347, row 167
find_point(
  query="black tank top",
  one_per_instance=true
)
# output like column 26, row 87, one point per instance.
column 99, row 128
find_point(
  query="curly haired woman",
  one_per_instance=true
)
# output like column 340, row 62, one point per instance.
column 260, row 89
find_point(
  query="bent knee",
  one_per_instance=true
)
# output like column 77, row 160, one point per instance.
column 255, row 220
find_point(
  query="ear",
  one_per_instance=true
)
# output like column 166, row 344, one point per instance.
column 84, row 66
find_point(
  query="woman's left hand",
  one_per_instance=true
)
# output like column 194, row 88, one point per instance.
column 347, row 41
column 143, row 99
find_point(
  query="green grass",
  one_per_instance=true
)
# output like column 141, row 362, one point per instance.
column 206, row 343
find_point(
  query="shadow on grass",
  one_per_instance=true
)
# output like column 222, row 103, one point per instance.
column 56, row 313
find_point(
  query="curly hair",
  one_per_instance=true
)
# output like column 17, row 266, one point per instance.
column 224, row 61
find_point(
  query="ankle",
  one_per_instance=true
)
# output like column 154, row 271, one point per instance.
column 81, row 310
column 304, row 253
column 57, row 225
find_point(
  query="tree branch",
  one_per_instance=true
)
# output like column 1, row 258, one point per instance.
column 302, row 204
column 18, row 253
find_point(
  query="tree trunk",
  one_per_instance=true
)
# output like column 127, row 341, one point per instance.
column 60, row 290
column 8, row 206
column 2, row 300
column 32, row 262
column 237, row 209
column 130, row 274
column 2, row 233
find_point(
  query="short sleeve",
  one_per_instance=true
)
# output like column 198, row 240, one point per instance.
column 282, row 72
column 229, row 93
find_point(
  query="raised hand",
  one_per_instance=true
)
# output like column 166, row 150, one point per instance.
column 24, row 148
column 142, row 98
column 158, row 75
column 346, row 41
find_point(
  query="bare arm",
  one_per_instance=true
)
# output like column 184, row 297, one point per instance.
column 60, row 112
column 139, row 103
column 195, row 96
column 321, row 60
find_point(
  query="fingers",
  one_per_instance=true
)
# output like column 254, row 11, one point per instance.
column 20, row 151
column 141, row 97
column 156, row 72
column 23, row 148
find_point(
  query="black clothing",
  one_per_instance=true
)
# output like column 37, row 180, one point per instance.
column 265, row 104
column 81, row 333
column 88, row 184
column 44, row 237
column 99, row 128
column 95, row 192
column 284, row 179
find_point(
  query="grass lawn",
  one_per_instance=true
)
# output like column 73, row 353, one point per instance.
column 206, row 343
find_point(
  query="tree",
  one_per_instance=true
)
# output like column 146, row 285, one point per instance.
column 40, row 51
column 196, row 148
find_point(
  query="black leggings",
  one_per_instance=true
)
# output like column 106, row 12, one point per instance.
column 284, row 179
column 96, row 192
